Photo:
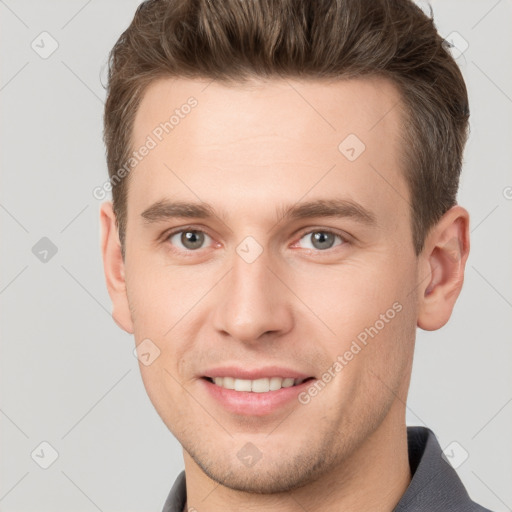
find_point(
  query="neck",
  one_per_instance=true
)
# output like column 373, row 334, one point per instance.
column 374, row 477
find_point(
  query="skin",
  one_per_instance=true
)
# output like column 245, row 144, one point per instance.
column 246, row 151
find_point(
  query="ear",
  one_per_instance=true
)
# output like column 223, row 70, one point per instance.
column 441, row 267
column 113, row 266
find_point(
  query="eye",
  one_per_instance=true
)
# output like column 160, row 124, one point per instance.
column 322, row 239
column 190, row 239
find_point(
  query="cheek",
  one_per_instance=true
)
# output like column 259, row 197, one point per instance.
column 388, row 350
column 167, row 310
column 365, row 316
column 347, row 297
column 159, row 296
column 166, row 394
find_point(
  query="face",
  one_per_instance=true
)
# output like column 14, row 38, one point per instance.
column 327, row 293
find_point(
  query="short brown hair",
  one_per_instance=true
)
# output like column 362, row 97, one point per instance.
column 233, row 40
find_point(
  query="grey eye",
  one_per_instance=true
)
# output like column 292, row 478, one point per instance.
column 190, row 239
column 321, row 239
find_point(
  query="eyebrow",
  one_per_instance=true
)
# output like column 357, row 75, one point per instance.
column 342, row 208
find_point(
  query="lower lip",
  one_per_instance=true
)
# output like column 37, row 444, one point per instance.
column 254, row 404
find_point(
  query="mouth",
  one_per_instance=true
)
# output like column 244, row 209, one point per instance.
column 263, row 385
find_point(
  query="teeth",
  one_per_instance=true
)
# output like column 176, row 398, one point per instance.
column 257, row 385
column 229, row 382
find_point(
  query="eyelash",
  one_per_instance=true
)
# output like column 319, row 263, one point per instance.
column 344, row 238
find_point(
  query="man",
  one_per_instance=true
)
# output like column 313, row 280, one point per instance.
column 282, row 221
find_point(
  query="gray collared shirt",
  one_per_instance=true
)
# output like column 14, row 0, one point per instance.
column 435, row 485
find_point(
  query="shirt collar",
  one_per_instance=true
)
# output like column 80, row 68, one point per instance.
column 434, row 487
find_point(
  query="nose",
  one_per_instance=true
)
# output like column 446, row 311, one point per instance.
column 254, row 301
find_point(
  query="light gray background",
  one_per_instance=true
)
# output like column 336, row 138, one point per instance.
column 68, row 374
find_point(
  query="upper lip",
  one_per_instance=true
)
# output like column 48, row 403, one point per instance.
column 255, row 373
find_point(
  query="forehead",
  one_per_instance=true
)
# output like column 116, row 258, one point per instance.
column 269, row 141
column 263, row 107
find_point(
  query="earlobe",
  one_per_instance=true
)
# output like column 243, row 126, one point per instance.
column 114, row 268
column 443, row 263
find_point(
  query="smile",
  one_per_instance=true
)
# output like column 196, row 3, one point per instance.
column 263, row 385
